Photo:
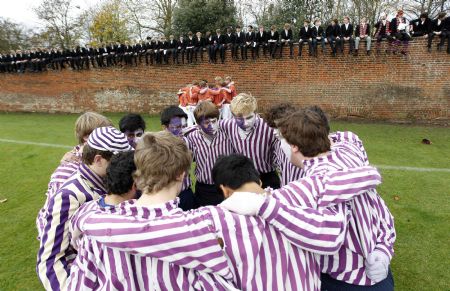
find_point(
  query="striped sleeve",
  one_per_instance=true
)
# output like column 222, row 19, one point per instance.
column 340, row 186
column 386, row 232
column 186, row 239
column 321, row 232
column 52, row 265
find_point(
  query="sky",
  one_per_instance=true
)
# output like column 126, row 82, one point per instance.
column 21, row 11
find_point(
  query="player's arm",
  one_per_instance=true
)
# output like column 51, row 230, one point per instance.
column 386, row 233
column 52, row 266
column 186, row 239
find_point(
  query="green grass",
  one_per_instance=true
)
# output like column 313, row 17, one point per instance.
column 422, row 212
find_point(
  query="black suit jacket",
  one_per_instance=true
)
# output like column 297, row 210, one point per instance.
column 286, row 36
column 317, row 32
column 261, row 38
column 173, row 44
column 333, row 31
column 231, row 38
column 240, row 38
column 219, row 39
column 305, row 35
column 250, row 36
column 199, row 43
column 419, row 27
column 440, row 27
column 347, row 32
column 275, row 36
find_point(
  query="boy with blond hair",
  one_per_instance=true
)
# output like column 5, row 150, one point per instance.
column 252, row 137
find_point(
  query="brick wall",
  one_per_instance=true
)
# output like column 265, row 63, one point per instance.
column 386, row 87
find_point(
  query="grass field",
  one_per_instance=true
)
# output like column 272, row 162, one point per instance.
column 421, row 210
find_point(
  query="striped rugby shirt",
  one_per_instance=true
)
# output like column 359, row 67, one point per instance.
column 57, row 179
column 371, row 226
column 259, row 257
column 99, row 267
column 55, row 254
column 258, row 146
column 206, row 152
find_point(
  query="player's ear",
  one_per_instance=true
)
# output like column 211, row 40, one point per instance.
column 295, row 149
column 227, row 192
column 97, row 159
column 163, row 127
column 260, row 183
column 181, row 177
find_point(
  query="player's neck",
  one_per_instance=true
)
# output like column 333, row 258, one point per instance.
column 251, row 187
column 115, row 199
column 159, row 197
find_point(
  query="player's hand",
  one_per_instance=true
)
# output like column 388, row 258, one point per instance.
column 377, row 266
column 70, row 157
column 245, row 203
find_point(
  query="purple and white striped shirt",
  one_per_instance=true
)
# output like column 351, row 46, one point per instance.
column 100, row 267
column 371, row 226
column 57, row 179
column 287, row 171
column 258, row 145
column 259, row 257
column 55, row 254
column 206, row 152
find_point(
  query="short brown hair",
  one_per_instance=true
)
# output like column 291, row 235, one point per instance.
column 160, row 158
column 277, row 113
column 87, row 122
column 89, row 154
column 306, row 130
column 204, row 110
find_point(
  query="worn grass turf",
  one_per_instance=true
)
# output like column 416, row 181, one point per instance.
column 421, row 207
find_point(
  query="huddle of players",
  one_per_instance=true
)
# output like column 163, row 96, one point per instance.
column 160, row 50
column 112, row 219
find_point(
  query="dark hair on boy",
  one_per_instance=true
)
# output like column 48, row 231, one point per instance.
column 131, row 122
column 170, row 112
column 89, row 154
column 306, row 130
column 278, row 112
column 233, row 171
column 119, row 174
column 322, row 115
column 205, row 110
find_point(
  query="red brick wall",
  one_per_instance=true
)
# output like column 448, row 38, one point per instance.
column 397, row 88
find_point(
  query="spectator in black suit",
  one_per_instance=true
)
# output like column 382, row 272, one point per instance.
column 173, row 49
column 420, row 26
column 437, row 29
column 273, row 40
column 240, row 43
column 318, row 35
column 164, row 50
column 181, row 48
column 209, row 43
column 347, row 34
column 219, row 46
column 305, row 35
column 250, row 41
column 362, row 32
column 230, row 39
column 261, row 40
column 333, row 33
column 287, row 39
column 199, row 45
column 190, row 47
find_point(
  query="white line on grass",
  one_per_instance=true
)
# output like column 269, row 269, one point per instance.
column 414, row 169
column 35, row 143
column 383, row 167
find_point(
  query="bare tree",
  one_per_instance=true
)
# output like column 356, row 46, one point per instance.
column 62, row 22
